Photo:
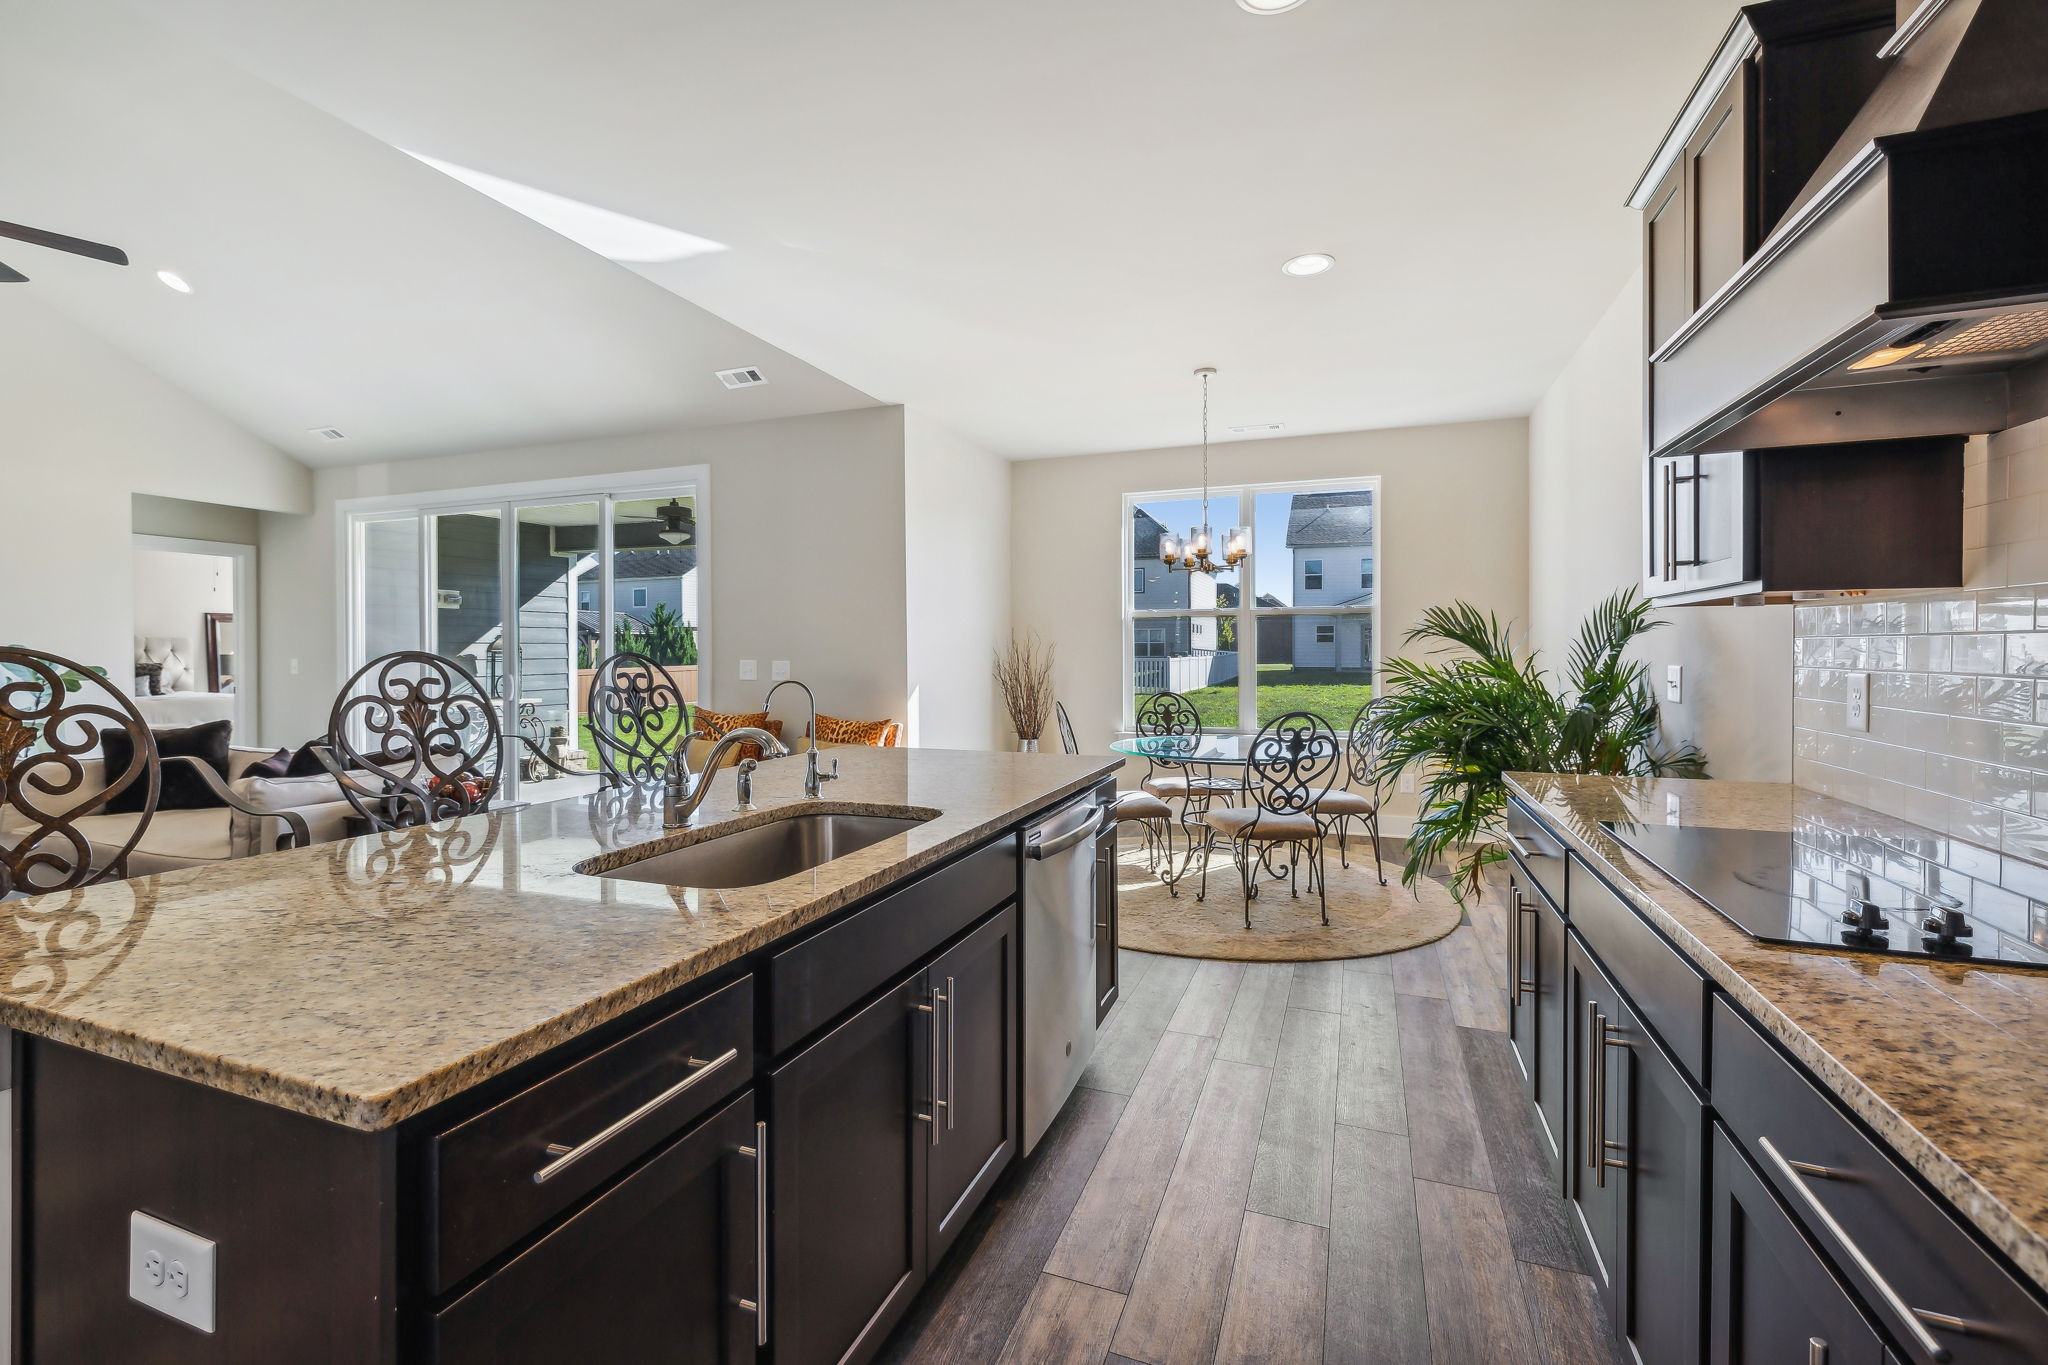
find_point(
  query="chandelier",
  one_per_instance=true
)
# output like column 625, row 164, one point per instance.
column 1196, row 553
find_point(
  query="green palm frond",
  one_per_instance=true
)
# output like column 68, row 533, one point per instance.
column 1463, row 721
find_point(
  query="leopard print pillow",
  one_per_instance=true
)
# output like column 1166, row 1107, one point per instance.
column 878, row 734
column 717, row 724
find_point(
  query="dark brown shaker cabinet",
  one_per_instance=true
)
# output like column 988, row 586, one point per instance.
column 661, row 1267
column 1633, row 1167
column 975, row 986
column 1536, row 1005
column 1106, row 930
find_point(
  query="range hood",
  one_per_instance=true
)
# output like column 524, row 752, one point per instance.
column 1904, row 291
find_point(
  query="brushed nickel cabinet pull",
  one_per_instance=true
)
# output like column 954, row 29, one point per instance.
column 1816, row 1351
column 565, row 1157
column 758, row 1305
column 1914, row 1319
column 952, row 1013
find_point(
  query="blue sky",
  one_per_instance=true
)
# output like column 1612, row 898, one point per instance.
column 1269, row 534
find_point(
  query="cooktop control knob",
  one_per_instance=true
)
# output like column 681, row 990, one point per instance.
column 1865, row 918
column 1943, row 929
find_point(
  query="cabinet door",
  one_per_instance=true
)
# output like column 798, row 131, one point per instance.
column 1699, row 530
column 848, row 1150
column 1657, row 1156
column 1596, row 1116
column 662, row 1267
column 1773, row 1297
column 1537, row 1013
column 974, row 987
column 1665, row 267
column 1106, row 961
column 1719, row 162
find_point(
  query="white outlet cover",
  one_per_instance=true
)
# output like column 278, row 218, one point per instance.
column 171, row 1270
column 1858, row 697
column 749, row 670
column 778, row 671
column 1674, row 680
column 1671, row 808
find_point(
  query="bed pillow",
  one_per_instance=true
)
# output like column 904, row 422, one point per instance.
column 183, row 789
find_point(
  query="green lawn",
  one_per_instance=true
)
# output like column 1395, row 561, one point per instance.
column 667, row 726
column 1334, row 696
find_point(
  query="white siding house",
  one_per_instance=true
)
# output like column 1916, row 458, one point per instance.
column 1330, row 536
column 1154, row 587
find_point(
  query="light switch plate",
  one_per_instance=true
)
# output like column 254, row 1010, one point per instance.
column 1859, row 700
column 778, row 671
column 171, row 1270
column 749, row 670
column 1671, row 808
column 1674, row 690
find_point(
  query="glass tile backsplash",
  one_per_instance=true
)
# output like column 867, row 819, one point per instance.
column 1958, row 737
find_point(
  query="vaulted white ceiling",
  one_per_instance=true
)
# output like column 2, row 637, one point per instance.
column 1031, row 219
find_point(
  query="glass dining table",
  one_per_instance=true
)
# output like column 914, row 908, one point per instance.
column 1207, row 752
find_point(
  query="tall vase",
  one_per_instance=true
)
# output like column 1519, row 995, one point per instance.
column 1027, row 746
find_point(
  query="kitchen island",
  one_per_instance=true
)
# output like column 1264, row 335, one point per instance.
column 452, row 1094
column 1781, row 1152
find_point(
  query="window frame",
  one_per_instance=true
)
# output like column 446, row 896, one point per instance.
column 1247, row 612
column 1312, row 569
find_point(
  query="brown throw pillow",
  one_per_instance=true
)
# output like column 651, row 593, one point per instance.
column 876, row 734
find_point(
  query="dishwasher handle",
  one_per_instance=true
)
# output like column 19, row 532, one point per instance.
column 1047, row 848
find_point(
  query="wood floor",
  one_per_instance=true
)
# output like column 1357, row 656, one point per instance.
column 1310, row 1162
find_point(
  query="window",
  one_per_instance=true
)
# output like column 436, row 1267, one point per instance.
column 639, row 597
column 1248, row 644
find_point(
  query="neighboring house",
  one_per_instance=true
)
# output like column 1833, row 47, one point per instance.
column 1154, row 587
column 1276, row 633
column 645, row 579
column 1331, row 538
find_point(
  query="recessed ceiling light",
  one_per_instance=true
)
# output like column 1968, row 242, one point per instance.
column 1267, row 6
column 615, row 236
column 174, row 280
column 1314, row 263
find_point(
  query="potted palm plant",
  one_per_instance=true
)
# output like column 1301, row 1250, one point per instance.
column 1465, row 721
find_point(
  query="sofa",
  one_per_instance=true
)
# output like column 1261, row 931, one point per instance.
column 178, row 839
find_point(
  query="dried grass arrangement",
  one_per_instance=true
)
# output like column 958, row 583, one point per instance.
column 1024, row 674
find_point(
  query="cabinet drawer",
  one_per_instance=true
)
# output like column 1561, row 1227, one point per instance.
column 1538, row 851
column 1907, row 1240
column 816, row 981
column 497, row 1176
column 1667, row 991
column 666, row 1266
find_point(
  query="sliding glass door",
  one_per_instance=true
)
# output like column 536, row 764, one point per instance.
column 529, row 595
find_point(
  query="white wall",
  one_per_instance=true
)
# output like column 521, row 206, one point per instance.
column 957, row 579
column 1586, row 509
column 805, row 556
column 1452, row 522
column 184, row 520
column 173, row 593
column 82, row 429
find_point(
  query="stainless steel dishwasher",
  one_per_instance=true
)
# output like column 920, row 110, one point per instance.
column 1059, row 956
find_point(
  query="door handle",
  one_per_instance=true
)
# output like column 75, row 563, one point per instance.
column 952, row 999
column 758, row 1305
column 1599, row 1037
column 1522, row 985
column 1694, row 479
column 1915, row 1320
column 931, row 1012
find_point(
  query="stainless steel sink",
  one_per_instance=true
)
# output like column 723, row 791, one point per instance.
column 765, row 853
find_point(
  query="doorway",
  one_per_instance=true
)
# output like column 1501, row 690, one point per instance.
column 195, row 619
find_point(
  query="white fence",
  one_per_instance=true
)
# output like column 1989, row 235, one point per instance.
column 1183, row 672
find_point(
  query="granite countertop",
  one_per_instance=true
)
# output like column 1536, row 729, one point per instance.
column 1942, row 1060
column 365, row 981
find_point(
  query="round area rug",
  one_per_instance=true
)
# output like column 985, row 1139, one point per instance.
column 1366, row 919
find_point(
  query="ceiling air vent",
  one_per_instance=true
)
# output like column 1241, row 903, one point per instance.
column 746, row 377
column 329, row 433
column 1258, row 428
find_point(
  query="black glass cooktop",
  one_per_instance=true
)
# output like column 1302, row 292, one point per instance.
column 1760, row 880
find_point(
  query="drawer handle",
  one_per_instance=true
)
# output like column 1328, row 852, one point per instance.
column 1915, row 1319
column 1522, row 847
column 758, row 1305
column 565, row 1157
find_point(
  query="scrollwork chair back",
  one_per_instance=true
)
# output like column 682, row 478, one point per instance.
column 1292, row 763
column 53, row 714
column 426, row 734
column 637, row 717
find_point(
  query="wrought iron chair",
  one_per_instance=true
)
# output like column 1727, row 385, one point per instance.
column 1291, row 762
column 1359, row 799
column 1141, row 808
column 637, row 718
column 1170, row 715
column 413, row 739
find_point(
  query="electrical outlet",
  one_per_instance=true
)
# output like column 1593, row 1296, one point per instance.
column 1671, row 808
column 749, row 670
column 779, row 671
column 295, row 667
column 1407, row 783
column 170, row 1270
column 1674, row 680
column 1859, row 700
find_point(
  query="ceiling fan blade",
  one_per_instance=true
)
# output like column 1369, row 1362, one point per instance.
column 9, row 275
column 77, row 246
